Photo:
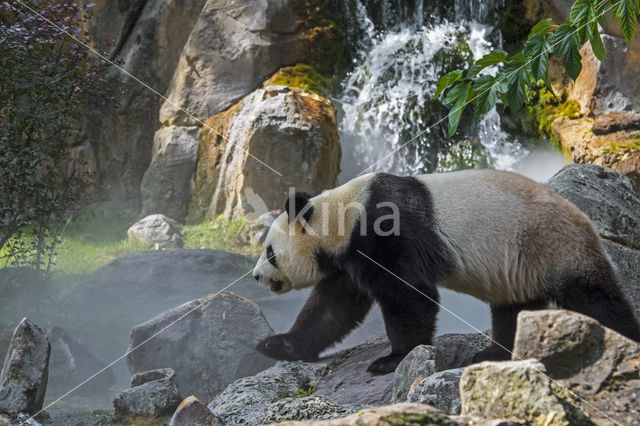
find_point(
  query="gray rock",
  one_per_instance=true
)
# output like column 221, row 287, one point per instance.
column 309, row 408
column 419, row 364
column 440, row 390
column 18, row 420
column 609, row 200
column 23, row 381
column 260, row 227
column 192, row 412
column 246, row 400
column 157, row 229
column 71, row 363
column 166, row 186
column 457, row 350
column 599, row 365
column 348, row 382
column 154, row 394
column 209, row 342
column 519, row 390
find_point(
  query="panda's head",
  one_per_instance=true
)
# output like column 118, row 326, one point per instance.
column 288, row 260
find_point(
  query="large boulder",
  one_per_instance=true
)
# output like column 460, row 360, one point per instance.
column 209, row 342
column 518, row 390
column 23, row 380
column 101, row 311
column 71, row 363
column 609, row 200
column 249, row 155
column 456, row 350
column 600, row 366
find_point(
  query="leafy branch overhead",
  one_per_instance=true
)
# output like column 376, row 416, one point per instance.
column 531, row 64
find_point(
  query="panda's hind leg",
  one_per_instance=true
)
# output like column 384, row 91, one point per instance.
column 595, row 292
column 504, row 319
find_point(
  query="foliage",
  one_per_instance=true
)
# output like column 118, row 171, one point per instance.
column 528, row 66
column 44, row 78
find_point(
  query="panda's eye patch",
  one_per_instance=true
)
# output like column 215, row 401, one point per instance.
column 271, row 256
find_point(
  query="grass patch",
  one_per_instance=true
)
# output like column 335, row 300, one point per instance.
column 219, row 234
column 303, row 76
column 304, row 393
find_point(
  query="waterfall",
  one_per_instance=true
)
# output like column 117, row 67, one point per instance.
column 386, row 102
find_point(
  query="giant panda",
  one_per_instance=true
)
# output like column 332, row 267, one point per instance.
column 494, row 235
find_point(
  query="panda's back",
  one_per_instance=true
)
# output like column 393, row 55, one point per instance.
column 507, row 234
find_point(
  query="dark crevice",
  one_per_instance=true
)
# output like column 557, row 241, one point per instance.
column 620, row 240
column 129, row 25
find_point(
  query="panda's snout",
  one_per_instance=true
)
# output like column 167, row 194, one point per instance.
column 257, row 276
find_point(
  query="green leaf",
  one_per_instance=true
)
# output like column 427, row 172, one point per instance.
column 542, row 27
column 565, row 46
column 473, row 71
column 486, row 90
column 447, row 80
column 596, row 44
column 625, row 12
column 518, row 78
column 458, row 96
column 493, row 58
column 538, row 47
column 581, row 15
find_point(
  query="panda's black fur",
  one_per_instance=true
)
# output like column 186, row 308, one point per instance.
column 415, row 261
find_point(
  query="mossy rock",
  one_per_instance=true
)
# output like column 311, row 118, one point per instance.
column 303, row 76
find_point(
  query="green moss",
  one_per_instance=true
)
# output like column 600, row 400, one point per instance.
column 624, row 147
column 303, row 76
column 304, row 393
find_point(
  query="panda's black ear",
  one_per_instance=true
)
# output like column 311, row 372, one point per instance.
column 297, row 206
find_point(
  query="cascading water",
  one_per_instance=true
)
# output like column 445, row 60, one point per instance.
column 387, row 102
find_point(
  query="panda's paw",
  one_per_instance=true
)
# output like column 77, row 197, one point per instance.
column 386, row 364
column 491, row 353
column 283, row 347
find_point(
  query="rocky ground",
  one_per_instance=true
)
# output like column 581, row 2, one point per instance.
column 566, row 368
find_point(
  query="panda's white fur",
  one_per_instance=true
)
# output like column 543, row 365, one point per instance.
column 484, row 217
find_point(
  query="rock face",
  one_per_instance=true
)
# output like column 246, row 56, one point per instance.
column 609, row 200
column 71, row 363
column 149, row 37
column 457, row 350
column 245, row 153
column 209, row 342
column 153, row 394
column 157, row 229
column 193, row 412
column 23, row 380
column 518, row 390
column 440, row 390
column 419, row 364
column 599, row 365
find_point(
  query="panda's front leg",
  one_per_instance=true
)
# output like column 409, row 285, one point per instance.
column 334, row 308
column 409, row 317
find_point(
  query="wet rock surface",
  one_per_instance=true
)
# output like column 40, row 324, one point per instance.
column 209, row 342
column 23, row 380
